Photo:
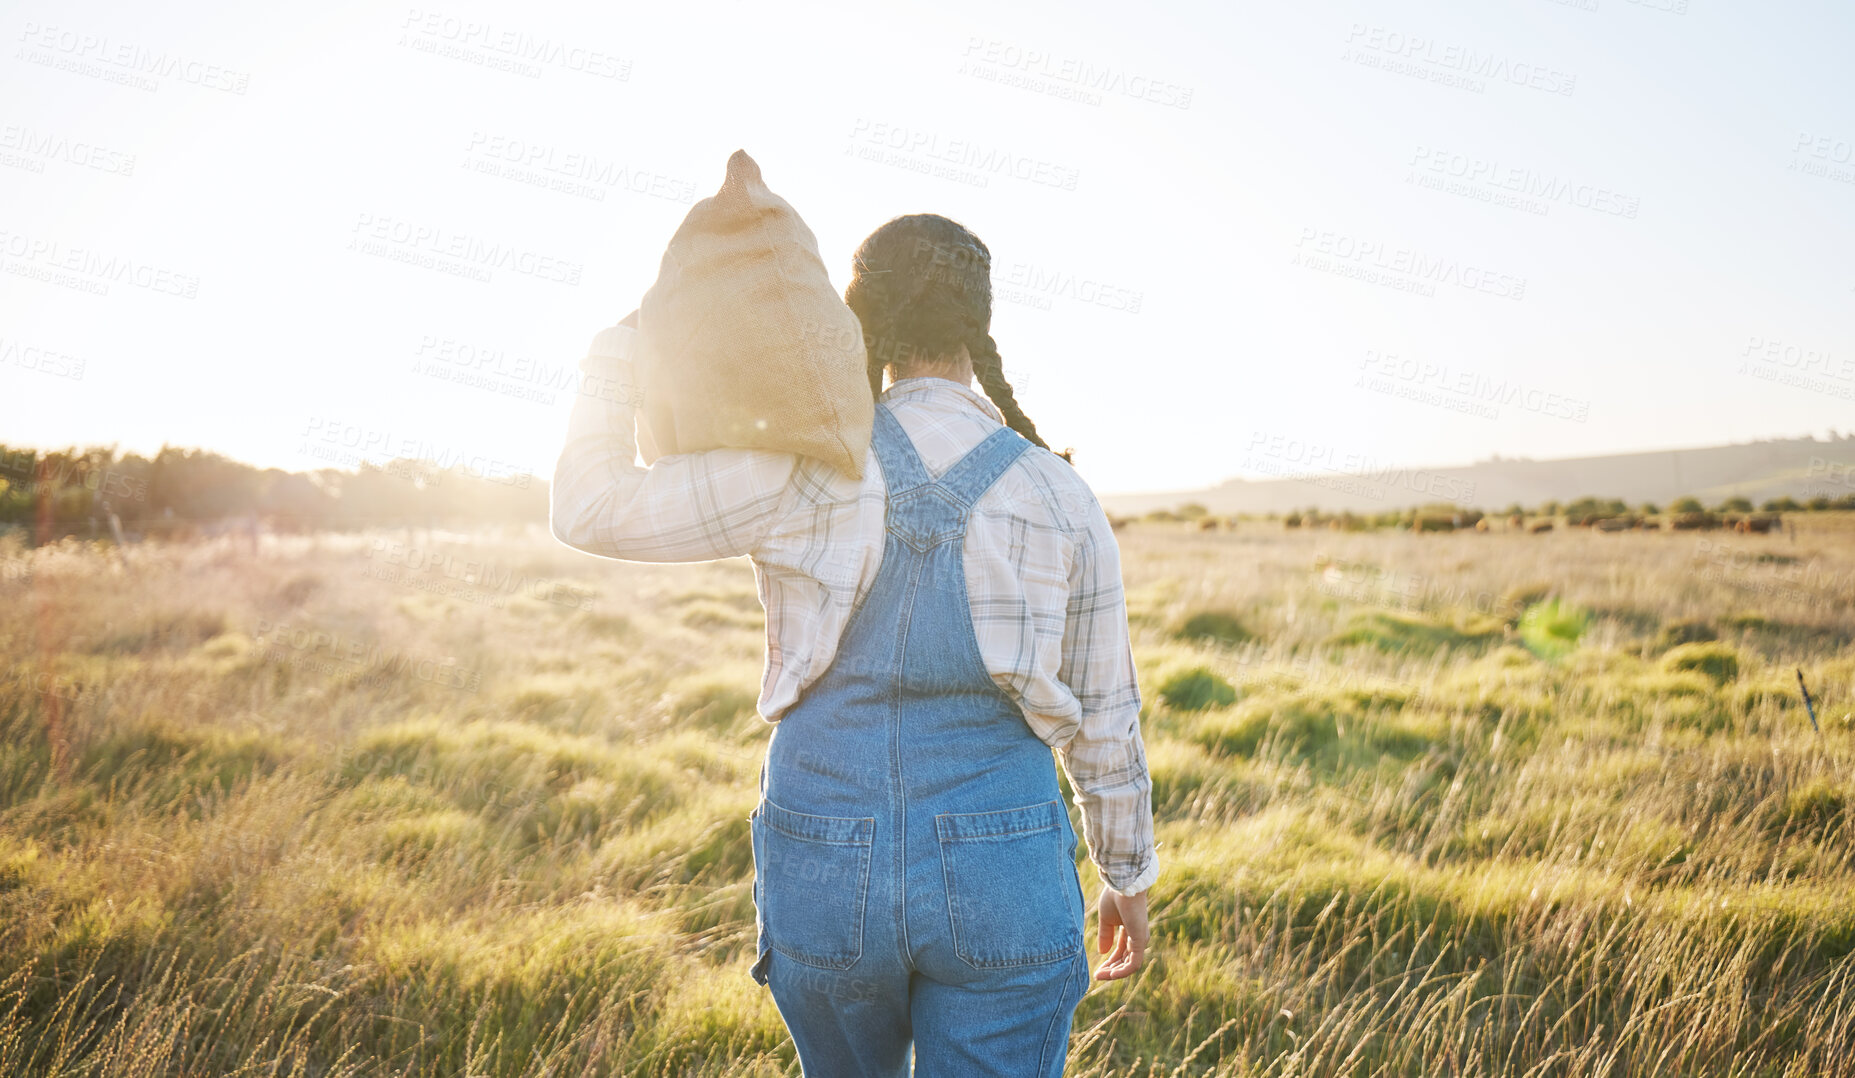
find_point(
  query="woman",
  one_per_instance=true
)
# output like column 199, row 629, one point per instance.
column 933, row 631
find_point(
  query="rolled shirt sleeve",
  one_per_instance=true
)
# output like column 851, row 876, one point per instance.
column 1106, row 759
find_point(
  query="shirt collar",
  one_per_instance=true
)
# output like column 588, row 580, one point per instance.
column 944, row 388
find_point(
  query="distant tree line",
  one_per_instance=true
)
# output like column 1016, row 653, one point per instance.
column 1606, row 514
column 179, row 492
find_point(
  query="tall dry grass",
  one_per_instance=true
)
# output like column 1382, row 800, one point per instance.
column 428, row 804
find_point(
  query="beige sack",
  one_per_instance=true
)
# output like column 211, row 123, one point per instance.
column 743, row 343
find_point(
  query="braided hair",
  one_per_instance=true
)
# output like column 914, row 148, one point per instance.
column 922, row 286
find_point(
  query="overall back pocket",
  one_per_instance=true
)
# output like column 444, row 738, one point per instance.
column 812, row 875
column 1011, row 885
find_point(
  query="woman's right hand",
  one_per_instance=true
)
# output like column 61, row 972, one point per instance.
column 1124, row 950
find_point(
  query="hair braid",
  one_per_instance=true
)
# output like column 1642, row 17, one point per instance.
column 921, row 286
column 868, row 292
column 989, row 366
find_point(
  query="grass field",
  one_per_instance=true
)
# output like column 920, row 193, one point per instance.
column 428, row 804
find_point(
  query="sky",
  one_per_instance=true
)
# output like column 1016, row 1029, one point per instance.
column 1229, row 239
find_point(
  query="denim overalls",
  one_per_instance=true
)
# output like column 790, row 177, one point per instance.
column 914, row 864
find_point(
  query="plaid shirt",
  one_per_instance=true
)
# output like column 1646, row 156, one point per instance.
column 1043, row 571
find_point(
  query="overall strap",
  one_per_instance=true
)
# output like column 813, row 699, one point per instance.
column 901, row 465
column 983, row 464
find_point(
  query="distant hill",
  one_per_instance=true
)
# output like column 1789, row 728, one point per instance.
column 1799, row 467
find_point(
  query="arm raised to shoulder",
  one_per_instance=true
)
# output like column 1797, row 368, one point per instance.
column 717, row 503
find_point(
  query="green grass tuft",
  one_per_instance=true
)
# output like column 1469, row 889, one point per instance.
column 1218, row 627
column 1717, row 661
column 1400, row 633
column 1552, row 629
column 1196, row 689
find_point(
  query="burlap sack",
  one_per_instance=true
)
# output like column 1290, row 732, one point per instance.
column 743, row 343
